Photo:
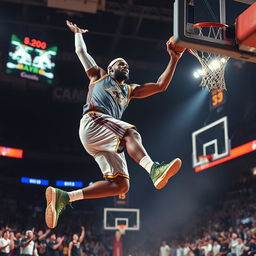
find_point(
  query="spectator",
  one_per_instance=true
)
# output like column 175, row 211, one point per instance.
column 17, row 239
column 27, row 244
column 41, row 242
column 232, row 245
column 74, row 245
column 6, row 243
column 53, row 245
column 239, row 247
column 164, row 249
column 215, row 248
column 223, row 248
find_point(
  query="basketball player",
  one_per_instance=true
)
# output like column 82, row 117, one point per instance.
column 105, row 136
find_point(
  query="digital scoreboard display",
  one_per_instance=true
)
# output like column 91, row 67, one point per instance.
column 31, row 58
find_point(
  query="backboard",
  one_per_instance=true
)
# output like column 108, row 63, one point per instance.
column 210, row 142
column 114, row 217
column 187, row 13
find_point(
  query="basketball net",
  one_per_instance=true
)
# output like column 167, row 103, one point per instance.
column 213, row 65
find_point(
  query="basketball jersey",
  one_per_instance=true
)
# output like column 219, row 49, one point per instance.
column 75, row 251
column 108, row 96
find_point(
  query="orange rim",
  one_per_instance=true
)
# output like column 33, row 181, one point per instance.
column 210, row 24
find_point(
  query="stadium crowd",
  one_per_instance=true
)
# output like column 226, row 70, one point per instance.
column 227, row 228
column 38, row 243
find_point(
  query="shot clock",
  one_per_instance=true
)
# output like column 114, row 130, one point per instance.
column 217, row 98
column 31, row 58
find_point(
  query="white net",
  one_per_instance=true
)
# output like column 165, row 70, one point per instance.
column 213, row 65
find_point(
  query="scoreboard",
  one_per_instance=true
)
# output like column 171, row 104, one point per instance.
column 31, row 58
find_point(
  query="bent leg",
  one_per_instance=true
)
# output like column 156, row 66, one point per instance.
column 133, row 143
column 105, row 188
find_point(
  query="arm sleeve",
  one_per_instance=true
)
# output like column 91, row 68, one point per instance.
column 81, row 50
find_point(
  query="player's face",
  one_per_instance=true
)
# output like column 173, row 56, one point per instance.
column 75, row 237
column 121, row 70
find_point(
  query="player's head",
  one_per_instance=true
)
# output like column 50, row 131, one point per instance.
column 75, row 237
column 119, row 69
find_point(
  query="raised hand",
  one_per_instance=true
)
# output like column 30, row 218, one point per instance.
column 74, row 28
column 174, row 50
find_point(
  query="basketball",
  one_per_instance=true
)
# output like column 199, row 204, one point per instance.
column 175, row 47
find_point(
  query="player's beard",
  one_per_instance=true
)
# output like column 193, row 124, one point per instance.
column 120, row 75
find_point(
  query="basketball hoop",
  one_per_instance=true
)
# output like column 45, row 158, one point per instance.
column 213, row 65
column 122, row 229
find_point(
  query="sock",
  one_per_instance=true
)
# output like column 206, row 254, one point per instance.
column 75, row 195
column 146, row 162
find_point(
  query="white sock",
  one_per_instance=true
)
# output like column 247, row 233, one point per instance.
column 75, row 195
column 146, row 162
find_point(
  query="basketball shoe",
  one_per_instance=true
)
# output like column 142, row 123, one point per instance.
column 161, row 173
column 57, row 200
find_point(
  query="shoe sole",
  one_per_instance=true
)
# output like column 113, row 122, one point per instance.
column 171, row 171
column 50, row 212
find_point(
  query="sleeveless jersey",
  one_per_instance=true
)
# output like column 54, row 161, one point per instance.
column 108, row 96
column 75, row 251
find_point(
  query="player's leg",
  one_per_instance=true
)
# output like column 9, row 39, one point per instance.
column 114, row 169
column 57, row 199
column 159, row 173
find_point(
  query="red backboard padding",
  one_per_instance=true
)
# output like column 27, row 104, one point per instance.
column 246, row 27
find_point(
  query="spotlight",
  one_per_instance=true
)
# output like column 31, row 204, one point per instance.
column 254, row 171
column 196, row 74
column 223, row 60
column 214, row 65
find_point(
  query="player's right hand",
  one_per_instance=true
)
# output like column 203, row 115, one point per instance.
column 74, row 28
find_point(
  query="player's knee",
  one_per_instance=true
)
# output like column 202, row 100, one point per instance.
column 132, row 134
column 123, row 185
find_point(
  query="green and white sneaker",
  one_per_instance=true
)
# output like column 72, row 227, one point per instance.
column 161, row 173
column 57, row 200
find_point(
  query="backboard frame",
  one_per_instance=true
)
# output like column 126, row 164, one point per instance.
column 126, row 220
column 186, row 36
column 197, row 162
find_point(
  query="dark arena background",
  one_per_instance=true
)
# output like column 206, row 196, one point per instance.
column 41, row 107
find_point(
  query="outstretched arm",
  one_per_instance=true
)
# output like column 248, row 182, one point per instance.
column 148, row 89
column 81, row 238
column 92, row 70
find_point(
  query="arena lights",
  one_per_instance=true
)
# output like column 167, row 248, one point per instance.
column 65, row 183
column 234, row 153
column 34, row 181
column 197, row 74
column 215, row 64
column 11, row 152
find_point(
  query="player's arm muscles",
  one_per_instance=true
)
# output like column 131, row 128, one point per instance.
column 93, row 71
column 148, row 89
